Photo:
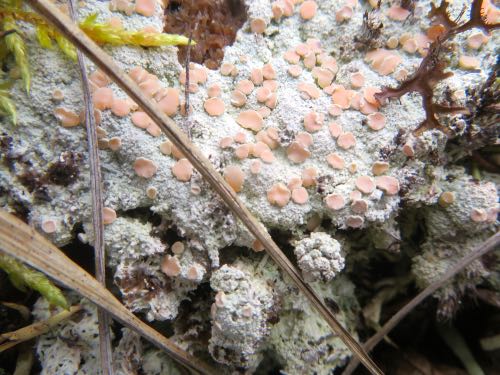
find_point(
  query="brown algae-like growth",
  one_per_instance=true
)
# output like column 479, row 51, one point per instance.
column 213, row 24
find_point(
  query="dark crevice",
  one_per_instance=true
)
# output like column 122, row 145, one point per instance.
column 230, row 254
column 269, row 364
column 173, row 6
column 283, row 240
column 165, row 230
column 143, row 214
column 79, row 252
column 192, row 325
column 424, row 346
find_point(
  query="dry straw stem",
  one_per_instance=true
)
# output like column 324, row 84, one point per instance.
column 21, row 309
column 106, row 356
column 491, row 243
column 201, row 163
column 186, row 85
column 23, row 242
column 25, row 359
column 11, row 339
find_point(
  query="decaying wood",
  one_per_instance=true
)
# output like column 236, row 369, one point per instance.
column 201, row 163
column 24, row 243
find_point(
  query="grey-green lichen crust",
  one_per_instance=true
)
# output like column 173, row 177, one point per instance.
column 319, row 257
column 254, row 308
column 73, row 347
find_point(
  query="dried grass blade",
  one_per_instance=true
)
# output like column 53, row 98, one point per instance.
column 36, row 329
column 21, row 309
column 23, row 242
column 106, row 356
column 490, row 244
column 187, row 105
column 25, row 359
column 201, row 163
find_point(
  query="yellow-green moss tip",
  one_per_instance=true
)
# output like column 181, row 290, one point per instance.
column 7, row 106
column 105, row 33
column 45, row 34
column 16, row 45
column 65, row 46
column 22, row 276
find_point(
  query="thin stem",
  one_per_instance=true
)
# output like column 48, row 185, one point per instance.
column 97, row 220
column 25, row 359
column 455, row 341
column 10, row 339
column 186, row 85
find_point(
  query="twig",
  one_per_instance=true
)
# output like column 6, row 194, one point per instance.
column 490, row 343
column 24, row 243
column 21, row 309
column 186, row 84
column 484, row 163
column 458, row 346
column 97, row 220
column 25, row 359
column 202, row 164
column 13, row 338
column 488, row 245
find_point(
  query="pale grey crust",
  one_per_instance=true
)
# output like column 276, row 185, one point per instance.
column 206, row 225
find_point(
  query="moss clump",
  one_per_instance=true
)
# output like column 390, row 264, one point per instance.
column 23, row 277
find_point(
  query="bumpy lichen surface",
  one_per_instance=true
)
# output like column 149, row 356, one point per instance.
column 291, row 121
column 319, row 257
column 239, row 314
